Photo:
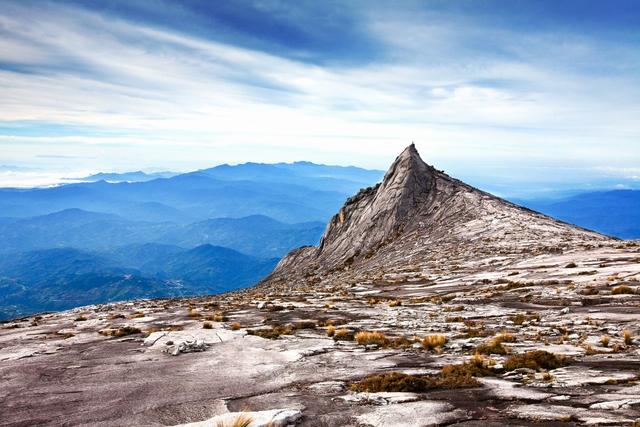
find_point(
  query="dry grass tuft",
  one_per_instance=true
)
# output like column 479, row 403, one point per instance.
column 242, row 420
column 495, row 345
column 343, row 335
column 235, row 326
column 207, row 325
column 520, row 318
column 537, row 360
column 65, row 335
column 305, row 324
column 622, row 289
column 331, row 330
column 120, row 332
column 116, row 316
column 433, row 342
column 369, row 338
column 80, row 318
column 627, row 336
column 604, row 340
column 272, row 333
column 395, row 303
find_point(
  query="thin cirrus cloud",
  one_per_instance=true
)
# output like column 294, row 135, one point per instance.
column 485, row 94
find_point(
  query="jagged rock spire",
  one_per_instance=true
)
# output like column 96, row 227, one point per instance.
column 417, row 211
column 377, row 214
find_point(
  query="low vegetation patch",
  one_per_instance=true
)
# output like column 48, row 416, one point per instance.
column 520, row 318
column 207, row 325
column 475, row 332
column 65, row 335
column 116, row 316
column 402, row 342
column 399, row 382
column 344, row 335
column 477, row 366
column 379, row 339
column 494, row 346
column 433, row 342
column 236, row 326
column 622, row 289
column 80, row 318
column 588, row 290
column 536, row 360
column 218, row 316
column 272, row 333
column 305, row 324
column 121, row 331
column 371, row 338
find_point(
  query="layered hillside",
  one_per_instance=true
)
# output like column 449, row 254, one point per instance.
column 418, row 212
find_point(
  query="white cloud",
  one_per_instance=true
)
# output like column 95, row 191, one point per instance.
column 178, row 101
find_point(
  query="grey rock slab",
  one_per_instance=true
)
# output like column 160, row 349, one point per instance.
column 507, row 390
column 380, row 398
column 616, row 404
column 414, row 414
column 328, row 387
column 542, row 412
column 271, row 418
column 576, row 376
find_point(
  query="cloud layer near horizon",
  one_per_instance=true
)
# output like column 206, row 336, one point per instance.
column 115, row 85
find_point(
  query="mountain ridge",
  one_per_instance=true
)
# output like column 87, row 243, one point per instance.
column 416, row 210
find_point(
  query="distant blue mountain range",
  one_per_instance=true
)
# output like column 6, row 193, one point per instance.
column 297, row 192
column 207, row 231
column 615, row 213
column 136, row 235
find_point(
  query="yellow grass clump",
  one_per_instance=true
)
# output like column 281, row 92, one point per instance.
column 433, row 342
column 368, row 338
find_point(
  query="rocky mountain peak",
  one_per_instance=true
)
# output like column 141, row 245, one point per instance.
column 377, row 214
column 418, row 212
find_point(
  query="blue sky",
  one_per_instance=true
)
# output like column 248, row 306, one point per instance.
column 507, row 94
